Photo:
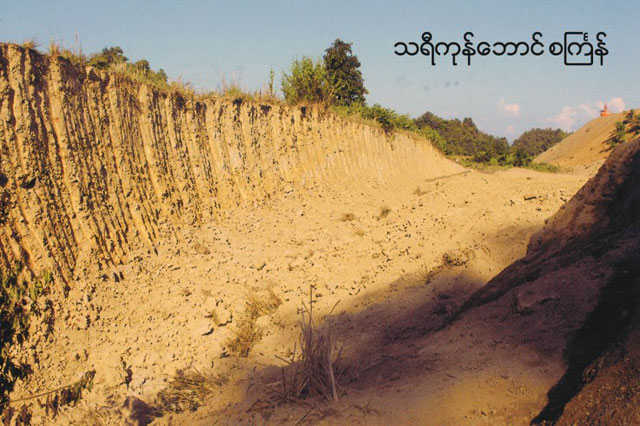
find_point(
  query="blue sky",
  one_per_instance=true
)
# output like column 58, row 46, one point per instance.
column 204, row 42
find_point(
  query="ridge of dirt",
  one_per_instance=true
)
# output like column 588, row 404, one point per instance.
column 586, row 149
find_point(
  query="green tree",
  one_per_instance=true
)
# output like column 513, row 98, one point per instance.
column 464, row 137
column 344, row 76
column 306, row 81
column 535, row 141
column 109, row 56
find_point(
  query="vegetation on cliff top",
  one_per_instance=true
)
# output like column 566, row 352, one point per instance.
column 630, row 126
column 336, row 82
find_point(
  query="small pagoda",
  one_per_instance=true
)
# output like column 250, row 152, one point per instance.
column 604, row 112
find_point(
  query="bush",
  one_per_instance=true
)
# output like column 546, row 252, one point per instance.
column 108, row 57
column 17, row 304
column 617, row 136
column 535, row 141
column 306, row 82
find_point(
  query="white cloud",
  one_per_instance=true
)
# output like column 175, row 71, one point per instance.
column 511, row 110
column 616, row 104
column 590, row 111
column 510, row 131
column 565, row 119
column 571, row 118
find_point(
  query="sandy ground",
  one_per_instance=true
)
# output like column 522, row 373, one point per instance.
column 382, row 282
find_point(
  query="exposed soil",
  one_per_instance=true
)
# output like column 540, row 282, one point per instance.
column 185, row 235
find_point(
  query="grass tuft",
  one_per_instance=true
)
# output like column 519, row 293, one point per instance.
column 312, row 371
column 244, row 337
column 248, row 333
column 187, row 390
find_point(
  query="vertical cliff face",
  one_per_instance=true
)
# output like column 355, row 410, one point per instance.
column 92, row 164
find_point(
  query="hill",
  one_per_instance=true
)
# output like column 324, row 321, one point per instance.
column 585, row 150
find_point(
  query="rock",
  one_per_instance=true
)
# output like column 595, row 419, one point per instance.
column 138, row 411
column 263, row 322
column 201, row 249
column 527, row 299
column 202, row 326
column 296, row 263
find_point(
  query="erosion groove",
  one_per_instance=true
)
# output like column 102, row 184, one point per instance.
column 93, row 165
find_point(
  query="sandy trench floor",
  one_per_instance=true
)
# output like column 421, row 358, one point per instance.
column 389, row 262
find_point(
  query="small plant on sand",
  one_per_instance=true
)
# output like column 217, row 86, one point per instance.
column 312, row 371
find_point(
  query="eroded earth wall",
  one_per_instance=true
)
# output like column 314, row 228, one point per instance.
column 94, row 165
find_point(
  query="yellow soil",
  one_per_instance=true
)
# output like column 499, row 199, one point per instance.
column 585, row 150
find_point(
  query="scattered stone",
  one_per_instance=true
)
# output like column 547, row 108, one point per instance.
column 201, row 249
column 526, row 300
column 202, row 326
column 296, row 263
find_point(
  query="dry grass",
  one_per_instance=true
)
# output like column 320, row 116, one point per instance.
column 54, row 49
column 187, row 390
column 31, row 44
column 248, row 333
column 244, row 337
column 311, row 372
column 257, row 307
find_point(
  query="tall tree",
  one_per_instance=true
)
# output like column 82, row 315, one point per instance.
column 344, row 76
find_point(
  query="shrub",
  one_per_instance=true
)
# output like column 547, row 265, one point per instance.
column 306, row 82
column 17, row 304
column 617, row 136
column 107, row 57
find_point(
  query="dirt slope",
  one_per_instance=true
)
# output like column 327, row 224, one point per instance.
column 552, row 338
column 585, row 262
column 585, row 150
